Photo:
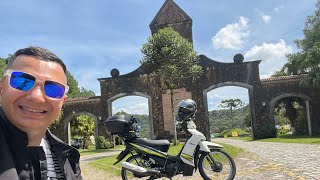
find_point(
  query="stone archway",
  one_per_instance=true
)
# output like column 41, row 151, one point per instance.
column 110, row 100
column 229, row 83
column 67, row 127
column 307, row 100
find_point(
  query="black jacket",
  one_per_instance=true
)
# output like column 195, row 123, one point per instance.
column 20, row 162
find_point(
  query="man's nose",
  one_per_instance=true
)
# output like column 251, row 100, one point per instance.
column 36, row 94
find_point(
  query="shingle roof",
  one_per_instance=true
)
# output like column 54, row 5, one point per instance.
column 282, row 78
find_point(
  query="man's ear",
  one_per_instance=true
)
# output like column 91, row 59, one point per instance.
column 1, row 86
column 65, row 98
column 1, row 89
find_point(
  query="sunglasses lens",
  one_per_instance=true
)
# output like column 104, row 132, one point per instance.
column 54, row 89
column 22, row 81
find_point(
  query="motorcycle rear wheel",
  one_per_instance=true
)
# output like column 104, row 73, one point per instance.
column 221, row 168
column 136, row 160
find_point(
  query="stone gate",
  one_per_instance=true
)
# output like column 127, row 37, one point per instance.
column 263, row 93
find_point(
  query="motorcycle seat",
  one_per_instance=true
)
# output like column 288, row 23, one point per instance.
column 162, row 145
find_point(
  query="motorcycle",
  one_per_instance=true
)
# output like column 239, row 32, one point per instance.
column 150, row 158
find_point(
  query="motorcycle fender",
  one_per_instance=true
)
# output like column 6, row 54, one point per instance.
column 206, row 146
column 122, row 155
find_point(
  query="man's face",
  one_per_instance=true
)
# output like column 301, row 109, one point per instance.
column 32, row 111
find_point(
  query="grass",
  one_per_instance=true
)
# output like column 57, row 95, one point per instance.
column 92, row 150
column 106, row 164
column 287, row 139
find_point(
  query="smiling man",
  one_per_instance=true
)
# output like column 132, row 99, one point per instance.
column 32, row 91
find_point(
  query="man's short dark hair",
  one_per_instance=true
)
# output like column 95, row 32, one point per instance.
column 38, row 53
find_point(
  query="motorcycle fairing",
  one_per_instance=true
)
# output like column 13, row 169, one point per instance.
column 187, row 153
column 206, row 146
column 149, row 150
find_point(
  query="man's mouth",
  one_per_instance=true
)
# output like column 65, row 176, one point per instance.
column 32, row 110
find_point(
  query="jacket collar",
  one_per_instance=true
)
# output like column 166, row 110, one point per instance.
column 59, row 147
column 16, row 136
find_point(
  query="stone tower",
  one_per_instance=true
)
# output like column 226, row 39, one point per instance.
column 171, row 15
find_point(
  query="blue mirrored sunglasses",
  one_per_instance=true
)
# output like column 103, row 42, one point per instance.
column 24, row 82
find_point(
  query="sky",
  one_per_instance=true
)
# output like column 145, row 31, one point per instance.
column 93, row 37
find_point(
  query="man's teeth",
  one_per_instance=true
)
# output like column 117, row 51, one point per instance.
column 32, row 110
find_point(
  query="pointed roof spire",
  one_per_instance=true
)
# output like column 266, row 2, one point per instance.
column 171, row 15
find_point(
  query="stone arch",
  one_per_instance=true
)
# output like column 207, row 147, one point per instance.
column 67, row 120
column 110, row 100
column 230, row 83
column 307, row 100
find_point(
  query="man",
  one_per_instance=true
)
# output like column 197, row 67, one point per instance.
column 32, row 91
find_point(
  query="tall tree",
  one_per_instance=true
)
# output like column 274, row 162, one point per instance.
column 2, row 65
column 83, row 126
column 172, row 58
column 308, row 59
column 74, row 90
column 231, row 104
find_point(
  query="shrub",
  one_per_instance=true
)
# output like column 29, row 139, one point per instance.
column 239, row 131
column 102, row 143
column 283, row 130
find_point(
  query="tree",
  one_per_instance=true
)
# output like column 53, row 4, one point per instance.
column 294, row 108
column 308, row 59
column 2, row 66
column 172, row 58
column 86, row 93
column 83, row 126
column 231, row 104
column 74, row 90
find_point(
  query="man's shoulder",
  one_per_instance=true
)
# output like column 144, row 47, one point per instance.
column 60, row 146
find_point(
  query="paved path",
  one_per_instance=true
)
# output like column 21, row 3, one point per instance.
column 270, row 160
column 88, row 158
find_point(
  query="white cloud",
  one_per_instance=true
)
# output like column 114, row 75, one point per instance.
column 232, row 36
column 278, row 8
column 273, row 56
column 266, row 18
column 131, row 105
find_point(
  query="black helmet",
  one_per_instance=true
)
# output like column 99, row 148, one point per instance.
column 187, row 109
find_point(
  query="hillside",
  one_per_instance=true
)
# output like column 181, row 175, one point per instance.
column 219, row 120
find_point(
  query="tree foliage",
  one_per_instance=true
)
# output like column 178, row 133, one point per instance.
column 172, row 58
column 2, row 66
column 231, row 104
column 75, row 91
column 83, row 126
column 308, row 59
column 220, row 120
column 292, row 110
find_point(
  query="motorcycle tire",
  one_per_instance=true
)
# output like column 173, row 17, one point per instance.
column 224, row 167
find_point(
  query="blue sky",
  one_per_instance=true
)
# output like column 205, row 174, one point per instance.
column 95, row 36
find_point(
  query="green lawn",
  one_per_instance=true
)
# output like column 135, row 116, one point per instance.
column 92, row 150
column 286, row 139
column 106, row 164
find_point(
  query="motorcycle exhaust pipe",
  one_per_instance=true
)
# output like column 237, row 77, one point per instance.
column 139, row 170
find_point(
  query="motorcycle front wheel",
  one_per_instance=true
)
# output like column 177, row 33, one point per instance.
column 217, row 165
column 136, row 160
